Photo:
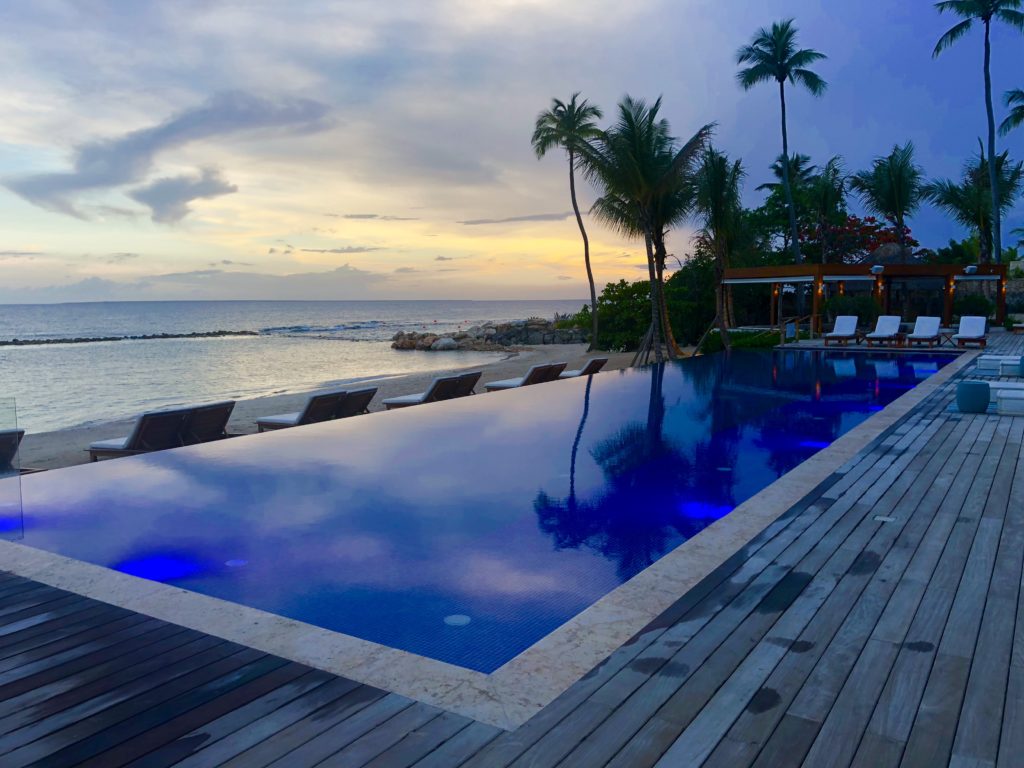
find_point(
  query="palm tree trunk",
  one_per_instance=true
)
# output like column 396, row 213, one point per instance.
column 655, row 303
column 794, row 234
column 674, row 351
column 720, row 307
column 586, row 252
column 997, row 227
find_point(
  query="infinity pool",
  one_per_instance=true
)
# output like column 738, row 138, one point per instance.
column 465, row 531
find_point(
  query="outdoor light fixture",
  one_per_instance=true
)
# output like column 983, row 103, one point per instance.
column 970, row 270
column 877, row 269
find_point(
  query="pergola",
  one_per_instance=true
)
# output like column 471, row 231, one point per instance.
column 880, row 278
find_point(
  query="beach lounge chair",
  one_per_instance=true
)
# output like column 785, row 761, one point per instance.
column 467, row 383
column 10, row 439
column 887, row 330
column 154, row 431
column 593, row 365
column 206, row 423
column 538, row 374
column 442, row 388
column 972, row 331
column 355, row 403
column 318, row 408
column 845, row 330
column 926, row 331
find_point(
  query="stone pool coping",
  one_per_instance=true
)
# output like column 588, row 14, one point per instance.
column 515, row 692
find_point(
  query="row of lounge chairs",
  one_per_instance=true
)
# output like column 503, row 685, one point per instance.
column 159, row 430
column 927, row 330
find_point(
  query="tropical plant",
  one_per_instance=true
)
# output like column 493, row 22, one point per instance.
column 984, row 11
column 801, row 171
column 1015, row 101
column 570, row 125
column 892, row 188
column 638, row 165
column 826, row 200
column 718, row 183
column 773, row 56
column 969, row 201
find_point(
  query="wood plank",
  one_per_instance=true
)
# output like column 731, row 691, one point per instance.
column 462, row 746
column 373, row 742
column 421, row 741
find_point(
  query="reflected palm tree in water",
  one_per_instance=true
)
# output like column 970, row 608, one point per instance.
column 642, row 511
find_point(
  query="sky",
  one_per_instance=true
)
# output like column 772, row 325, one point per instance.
column 205, row 149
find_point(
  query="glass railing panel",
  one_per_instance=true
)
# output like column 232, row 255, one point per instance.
column 11, row 515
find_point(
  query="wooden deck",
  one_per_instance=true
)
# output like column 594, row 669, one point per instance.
column 880, row 622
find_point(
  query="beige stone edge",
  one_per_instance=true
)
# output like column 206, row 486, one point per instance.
column 512, row 694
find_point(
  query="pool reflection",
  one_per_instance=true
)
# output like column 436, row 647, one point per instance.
column 511, row 511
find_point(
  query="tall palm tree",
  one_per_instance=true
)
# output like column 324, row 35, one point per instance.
column 718, row 207
column 1015, row 101
column 969, row 201
column 892, row 188
column 984, row 11
column 636, row 163
column 570, row 125
column 773, row 56
column 826, row 194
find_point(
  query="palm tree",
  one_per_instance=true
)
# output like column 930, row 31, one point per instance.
column 570, row 125
column 826, row 194
column 637, row 163
column 800, row 172
column 969, row 201
column 773, row 56
column 1015, row 101
column 892, row 188
column 718, row 206
column 985, row 11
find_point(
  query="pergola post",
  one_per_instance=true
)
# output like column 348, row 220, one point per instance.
column 947, row 304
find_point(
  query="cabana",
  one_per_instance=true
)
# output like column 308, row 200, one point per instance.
column 833, row 280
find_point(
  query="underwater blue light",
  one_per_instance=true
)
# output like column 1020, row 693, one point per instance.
column 10, row 524
column 704, row 510
column 160, row 567
column 815, row 444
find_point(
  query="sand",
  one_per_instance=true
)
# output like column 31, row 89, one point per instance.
column 66, row 447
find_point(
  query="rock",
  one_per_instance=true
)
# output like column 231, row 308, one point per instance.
column 444, row 344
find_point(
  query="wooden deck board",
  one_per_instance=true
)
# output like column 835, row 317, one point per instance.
column 832, row 638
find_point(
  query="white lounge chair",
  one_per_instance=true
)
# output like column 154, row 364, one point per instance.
column 845, row 330
column 538, row 374
column 972, row 331
column 442, row 388
column 318, row 408
column 593, row 365
column 926, row 331
column 887, row 330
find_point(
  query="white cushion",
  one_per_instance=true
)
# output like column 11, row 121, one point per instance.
column 115, row 444
column 971, row 327
column 504, row 384
column 1010, row 401
column 926, row 328
column 406, row 399
column 846, row 325
column 287, row 419
column 570, row 374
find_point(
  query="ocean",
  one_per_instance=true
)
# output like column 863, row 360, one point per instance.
column 299, row 345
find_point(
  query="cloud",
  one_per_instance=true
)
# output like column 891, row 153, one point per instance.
column 121, row 258
column 516, row 219
column 346, row 249
column 406, row 270
column 111, row 163
column 168, row 198
column 20, row 254
column 229, row 263
column 444, row 258
column 370, row 216
column 563, row 277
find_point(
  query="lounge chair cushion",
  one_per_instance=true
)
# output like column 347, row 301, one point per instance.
column 845, row 328
column 284, row 419
column 505, row 384
column 114, row 444
column 886, row 328
column 1010, row 402
column 415, row 399
column 971, row 327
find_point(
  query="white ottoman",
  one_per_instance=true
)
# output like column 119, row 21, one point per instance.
column 1010, row 402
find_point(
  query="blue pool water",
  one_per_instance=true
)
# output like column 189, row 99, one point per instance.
column 465, row 531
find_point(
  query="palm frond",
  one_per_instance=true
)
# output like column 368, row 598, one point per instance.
column 1015, row 100
column 952, row 36
column 810, row 80
column 1013, row 18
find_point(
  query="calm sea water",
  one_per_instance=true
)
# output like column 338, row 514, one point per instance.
column 301, row 345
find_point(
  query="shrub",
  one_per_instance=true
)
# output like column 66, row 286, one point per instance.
column 973, row 304
column 864, row 307
column 741, row 340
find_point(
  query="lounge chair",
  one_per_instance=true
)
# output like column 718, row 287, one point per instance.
column 206, row 423
column 887, row 330
column 355, row 403
column 10, row 439
column 442, row 388
column 593, row 365
column 926, row 331
column 467, row 383
column 844, row 330
column 318, row 408
column 154, row 431
column 972, row 331
column 538, row 374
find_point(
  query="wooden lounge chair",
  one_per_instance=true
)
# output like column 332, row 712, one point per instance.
column 442, row 388
column 355, row 403
column 844, row 331
column 926, row 331
column 887, row 330
column 206, row 423
column 318, row 408
column 467, row 383
column 10, row 439
column 154, row 431
column 593, row 365
column 538, row 374
column 972, row 331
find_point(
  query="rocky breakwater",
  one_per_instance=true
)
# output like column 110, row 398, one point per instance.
column 491, row 337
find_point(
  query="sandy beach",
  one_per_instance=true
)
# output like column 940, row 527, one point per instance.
column 66, row 447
